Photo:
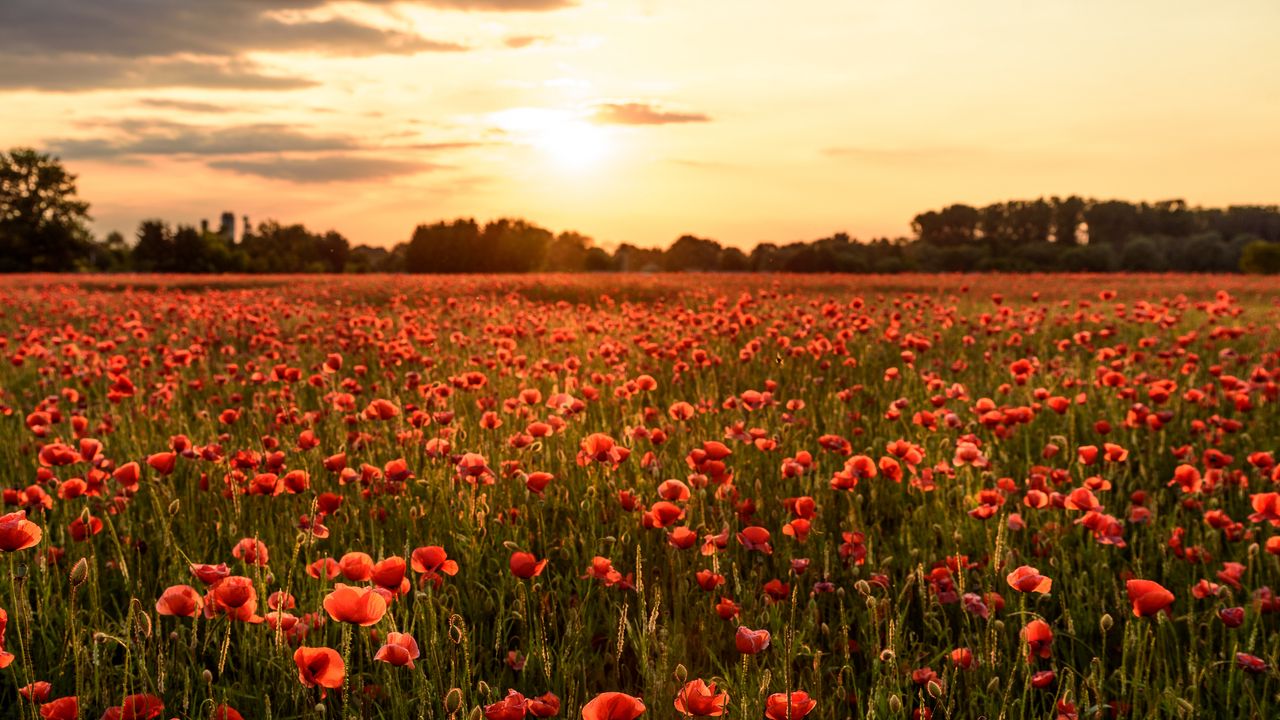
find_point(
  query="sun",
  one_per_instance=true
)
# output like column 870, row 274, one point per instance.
column 568, row 140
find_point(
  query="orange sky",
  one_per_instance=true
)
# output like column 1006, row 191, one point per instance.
column 639, row 120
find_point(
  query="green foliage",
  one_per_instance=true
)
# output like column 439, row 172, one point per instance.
column 42, row 224
column 1261, row 258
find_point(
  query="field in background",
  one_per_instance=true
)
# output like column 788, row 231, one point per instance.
column 860, row 466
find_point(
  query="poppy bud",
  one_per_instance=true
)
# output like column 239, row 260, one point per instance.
column 320, row 708
column 476, row 714
column 173, row 636
column 482, row 687
column 453, row 700
column 935, row 690
column 174, row 507
column 79, row 573
column 681, row 673
column 208, row 676
column 1105, row 622
column 886, row 655
column 863, row 587
column 895, row 704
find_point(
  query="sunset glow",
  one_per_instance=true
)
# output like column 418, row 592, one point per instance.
column 639, row 120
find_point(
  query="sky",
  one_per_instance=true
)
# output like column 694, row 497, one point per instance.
column 637, row 121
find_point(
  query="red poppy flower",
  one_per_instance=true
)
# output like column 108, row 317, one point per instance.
column 400, row 650
column 356, row 566
column 66, row 708
column 750, row 642
column 37, row 691
column 755, row 538
column 179, row 601
column 544, row 706
column 362, row 606
column 511, row 707
column 1251, row 663
column 1027, row 579
column 210, row 574
column 1148, row 597
column 17, row 532
column 613, row 706
column 320, row 666
column 780, row 706
column 525, row 565
column 431, row 560
column 226, row 712
column 698, row 699
column 1039, row 637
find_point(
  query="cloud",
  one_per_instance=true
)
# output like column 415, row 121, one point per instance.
column 190, row 106
column 151, row 137
column 326, row 169
column 76, row 45
column 73, row 72
column 499, row 5
column 150, row 28
column 635, row 113
column 522, row 41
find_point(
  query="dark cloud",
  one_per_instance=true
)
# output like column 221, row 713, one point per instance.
column 642, row 114
column 71, row 72
column 152, row 28
column 332, row 168
column 149, row 137
column 76, row 45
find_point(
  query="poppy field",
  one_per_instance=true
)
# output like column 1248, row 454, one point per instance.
column 668, row 496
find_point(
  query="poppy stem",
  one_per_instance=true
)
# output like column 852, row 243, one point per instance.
column 346, row 667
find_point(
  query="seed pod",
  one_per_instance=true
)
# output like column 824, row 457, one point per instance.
column 320, row 708
column 174, row 507
column 895, row 704
column 1105, row 622
column 681, row 673
column 453, row 700
column 208, row 676
column 79, row 573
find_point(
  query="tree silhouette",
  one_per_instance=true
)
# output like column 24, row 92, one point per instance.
column 42, row 224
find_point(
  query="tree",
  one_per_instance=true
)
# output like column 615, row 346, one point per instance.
column 42, row 224
column 692, row 253
column 567, row 253
column 1261, row 258
column 155, row 250
column 1068, row 213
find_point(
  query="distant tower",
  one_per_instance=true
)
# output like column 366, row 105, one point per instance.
column 247, row 232
column 228, row 227
column 204, row 226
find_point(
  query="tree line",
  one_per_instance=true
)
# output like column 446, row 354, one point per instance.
column 43, row 227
